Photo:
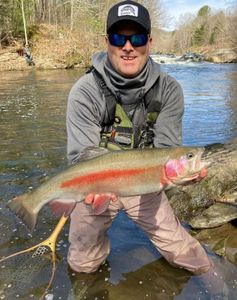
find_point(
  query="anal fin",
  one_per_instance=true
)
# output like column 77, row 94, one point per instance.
column 62, row 206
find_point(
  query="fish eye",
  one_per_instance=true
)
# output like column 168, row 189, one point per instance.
column 190, row 155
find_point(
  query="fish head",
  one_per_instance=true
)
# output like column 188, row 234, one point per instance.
column 185, row 165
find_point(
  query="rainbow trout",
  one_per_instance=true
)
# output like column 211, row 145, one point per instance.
column 124, row 173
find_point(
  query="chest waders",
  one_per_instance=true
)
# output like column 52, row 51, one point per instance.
column 120, row 131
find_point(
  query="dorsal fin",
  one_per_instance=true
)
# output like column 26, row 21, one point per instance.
column 92, row 152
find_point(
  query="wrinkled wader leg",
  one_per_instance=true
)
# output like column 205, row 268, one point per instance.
column 89, row 243
column 155, row 216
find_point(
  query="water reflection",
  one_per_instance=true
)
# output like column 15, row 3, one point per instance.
column 208, row 89
column 157, row 280
column 33, row 146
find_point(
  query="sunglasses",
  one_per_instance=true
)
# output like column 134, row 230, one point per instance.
column 136, row 40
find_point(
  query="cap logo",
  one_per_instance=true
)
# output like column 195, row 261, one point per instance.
column 128, row 10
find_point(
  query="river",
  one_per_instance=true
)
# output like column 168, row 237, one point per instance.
column 33, row 146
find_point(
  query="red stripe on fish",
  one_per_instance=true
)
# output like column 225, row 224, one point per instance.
column 102, row 175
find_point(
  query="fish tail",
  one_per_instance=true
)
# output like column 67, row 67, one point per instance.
column 19, row 206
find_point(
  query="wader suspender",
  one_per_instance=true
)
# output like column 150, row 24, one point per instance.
column 119, row 131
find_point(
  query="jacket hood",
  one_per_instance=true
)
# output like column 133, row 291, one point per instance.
column 129, row 87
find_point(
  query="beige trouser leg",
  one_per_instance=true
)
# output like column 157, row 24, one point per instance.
column 90, row 245
column 155, row 216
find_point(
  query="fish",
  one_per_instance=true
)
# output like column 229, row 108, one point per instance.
column 122, row 172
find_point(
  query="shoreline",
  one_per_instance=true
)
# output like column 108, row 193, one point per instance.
column 10, row 60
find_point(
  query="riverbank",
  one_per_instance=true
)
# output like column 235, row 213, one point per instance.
column 219, row 55
column 51, row 48
column 60, row 49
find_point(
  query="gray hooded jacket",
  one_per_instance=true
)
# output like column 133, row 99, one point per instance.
column 87, row 105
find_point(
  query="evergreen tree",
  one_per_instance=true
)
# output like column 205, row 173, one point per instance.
column 204, row 11
column 199, row 35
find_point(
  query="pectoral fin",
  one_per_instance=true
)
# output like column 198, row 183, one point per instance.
column 101, row 203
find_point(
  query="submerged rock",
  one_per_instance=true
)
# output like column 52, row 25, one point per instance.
column 191, row 57
column 222, row 240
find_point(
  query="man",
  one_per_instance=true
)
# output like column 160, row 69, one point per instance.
column 109, row 107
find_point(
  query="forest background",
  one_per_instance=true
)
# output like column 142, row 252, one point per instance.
column 66, row 33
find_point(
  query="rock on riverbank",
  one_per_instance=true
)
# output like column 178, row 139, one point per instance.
column 222, row 56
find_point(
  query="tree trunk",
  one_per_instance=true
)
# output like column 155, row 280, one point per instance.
column 24, row 22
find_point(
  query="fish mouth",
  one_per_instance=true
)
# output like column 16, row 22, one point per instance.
column 197, row 176
column 198, row 169
column 199, row 163
column 200, row 172
column 194, row 177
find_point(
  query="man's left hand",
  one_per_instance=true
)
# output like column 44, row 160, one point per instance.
column 100, row 202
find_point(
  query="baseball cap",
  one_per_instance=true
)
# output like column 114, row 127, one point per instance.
column 129, row 11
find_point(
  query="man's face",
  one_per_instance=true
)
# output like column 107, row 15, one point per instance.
column 128, row 60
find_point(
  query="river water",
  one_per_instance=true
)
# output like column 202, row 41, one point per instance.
column 33, row 146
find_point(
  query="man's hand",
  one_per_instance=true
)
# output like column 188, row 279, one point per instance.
column 100, row 202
